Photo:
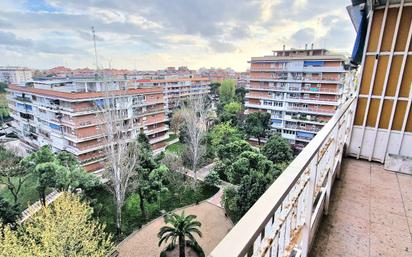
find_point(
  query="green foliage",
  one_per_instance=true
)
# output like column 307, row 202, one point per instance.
column 257, row 124
column 179, row 193
column 250, row 189
column 8, row 212
column 182, row 229
column 214, row 88
column 227, row 91
column 232, row 113
column 277, row 149
column 12, row 174
column 212, row 179
column 147, row 180
column 240, row 94
column 64, row 228
column 3, row 87
column 253, row 172
column 231, row 151
column 223, row 133
column 232, row 107
column 248, row 162
column 61, row 171
column 229, row 201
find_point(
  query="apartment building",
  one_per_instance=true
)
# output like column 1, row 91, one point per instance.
column 300, row 88
column 15, row 75
column 176, row 90
column 67, row 115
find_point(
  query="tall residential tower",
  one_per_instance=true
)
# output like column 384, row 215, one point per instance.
column 300, row 88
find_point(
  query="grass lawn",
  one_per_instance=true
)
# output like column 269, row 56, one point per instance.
column 28, row 193
column 176, row 148
column 132, row 218
column 172, row 137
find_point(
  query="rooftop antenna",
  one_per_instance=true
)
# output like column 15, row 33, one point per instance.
column 95, row 49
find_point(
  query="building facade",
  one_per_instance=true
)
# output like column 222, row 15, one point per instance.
column 15, row 75
column 67, row 115
column 301, row 89
column 177, row 90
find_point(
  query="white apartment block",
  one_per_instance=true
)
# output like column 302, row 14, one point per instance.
column 15, row 75
column 301, row 89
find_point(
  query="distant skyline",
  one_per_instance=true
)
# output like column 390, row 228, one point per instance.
column 154, row 34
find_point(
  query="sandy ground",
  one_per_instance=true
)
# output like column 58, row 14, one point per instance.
column 144, row 243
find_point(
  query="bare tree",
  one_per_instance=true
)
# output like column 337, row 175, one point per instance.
column 195, row 116
column 119, row 145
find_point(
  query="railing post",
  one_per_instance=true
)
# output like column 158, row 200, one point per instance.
column 309, row 206
column 331, row 170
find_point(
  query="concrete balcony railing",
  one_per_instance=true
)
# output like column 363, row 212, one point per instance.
column 300, row 69
column 311, row 110
column 284, row 220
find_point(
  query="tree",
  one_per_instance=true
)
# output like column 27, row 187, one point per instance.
column 195, row 118
column 214, row 88
column 182, row 227
column 229, row 201
column 212, row 179
column 254, row 173
column 12, row 174
column 61, row 171
column 43, row 164
column 121, row 158
column 8, row 212
column 248, row 162
column 257, row 124
column 277, row 149
column 229, row 152
column 227, row 91
column 72, row 175
column 233, row 107
column 64, row 228
column 140, row 181
column 223, row 133
column 240, row 94
column 176, row 121
column 232, row 113
column 150, row 177
column 252, row 186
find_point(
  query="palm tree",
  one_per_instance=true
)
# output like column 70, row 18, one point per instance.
column 182, row 227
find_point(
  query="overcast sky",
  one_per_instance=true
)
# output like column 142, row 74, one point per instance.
column 153, row 34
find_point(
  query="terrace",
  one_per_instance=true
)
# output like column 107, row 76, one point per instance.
column 326, row 205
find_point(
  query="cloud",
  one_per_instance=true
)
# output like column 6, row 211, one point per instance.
column 199, row 32
column 14, row 43
column 302, row 37
column 222, row 47
column 340, row 35
column 8, row 38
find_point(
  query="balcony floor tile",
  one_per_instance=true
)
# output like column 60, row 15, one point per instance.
column 370, row 213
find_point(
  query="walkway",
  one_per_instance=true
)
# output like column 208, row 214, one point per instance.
column 201, row 173
column 370, row 214
column 144, row 243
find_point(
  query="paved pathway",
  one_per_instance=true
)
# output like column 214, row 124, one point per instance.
column 144, row 243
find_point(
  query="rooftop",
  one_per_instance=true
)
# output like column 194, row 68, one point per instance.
column 82, row 95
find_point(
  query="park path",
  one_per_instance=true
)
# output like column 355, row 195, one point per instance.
column 216, row 199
